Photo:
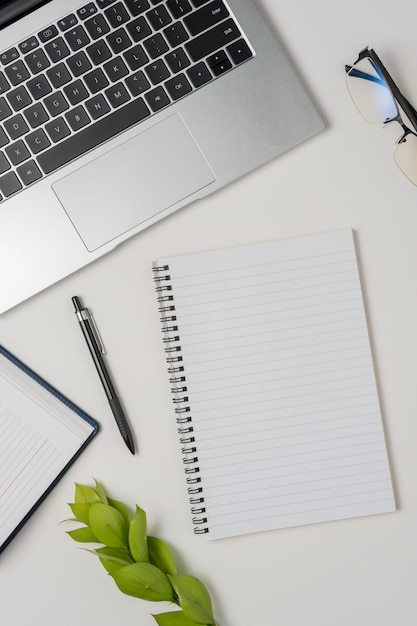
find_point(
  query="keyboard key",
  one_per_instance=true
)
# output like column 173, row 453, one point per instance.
column 177, row 60
column 97, row 26
column 119, row 40
column 17, row 73
column 38, row 141
column 97, row 107
column 178, row 87
column 57, row 50
column 117, row 95
column 79, row 64
column 216, row 58
column 116, row 69
column 59, row 75
column 77, row 118
column 4, row 164
column 157, row 99
column 239, row 51
column 176, row 34
column 206, row 17
column 9, row 56
column 36, row 115
column 179, row 8
column 102, row 4
column 139, row 29
column 5, row 110
column 157, row 72
column 3, row 138
column 117, row 15
column 17, row 152
column 137, row 83
column 48, row 33
column 96, row 80
column 198, row 3
column 29, row 173
column 19, row 98
column 4, row 85
column 199, row 74
column 57, row 129
column 77, row 38
column 159, row 17
column 76, row 92
column 37, row 61
column 67, row 22
column 39, row 87
column 94, row 135
column 56, row 103
column 9, row 184
column 87, row 11
column 99, row 52
column 16, row 126
column 212, row 40
column 29, row 44
column 219, row 63
column 155, row 46
column 221, row 68
column 135, row 58
column 136, row 7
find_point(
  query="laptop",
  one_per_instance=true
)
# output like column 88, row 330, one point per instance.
column 116, row 113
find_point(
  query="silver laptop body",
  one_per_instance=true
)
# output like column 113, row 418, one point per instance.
column 193, row 95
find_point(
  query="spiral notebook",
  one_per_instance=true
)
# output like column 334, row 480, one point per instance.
column 273, row 384
column 41, row 435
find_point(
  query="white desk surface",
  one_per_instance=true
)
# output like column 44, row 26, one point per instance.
column 358, row 572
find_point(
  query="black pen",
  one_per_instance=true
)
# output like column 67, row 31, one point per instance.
column 97, row 351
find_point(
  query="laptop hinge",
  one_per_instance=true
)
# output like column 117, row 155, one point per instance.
column 16, row 9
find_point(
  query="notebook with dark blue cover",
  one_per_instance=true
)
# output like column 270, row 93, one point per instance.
column 41, row 434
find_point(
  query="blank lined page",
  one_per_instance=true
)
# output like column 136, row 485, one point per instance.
column 280, row 384
column 40, row 434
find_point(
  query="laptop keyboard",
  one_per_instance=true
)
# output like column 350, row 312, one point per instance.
column 99, row 71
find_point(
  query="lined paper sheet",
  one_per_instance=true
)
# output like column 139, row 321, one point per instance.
column 40, row 434
column 280, row 383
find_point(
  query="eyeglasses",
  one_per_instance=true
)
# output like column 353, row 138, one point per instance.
column 378, row 99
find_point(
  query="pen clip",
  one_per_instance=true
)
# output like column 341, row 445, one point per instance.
column 87, row 316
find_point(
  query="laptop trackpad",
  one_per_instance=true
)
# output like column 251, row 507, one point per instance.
column 134, row 182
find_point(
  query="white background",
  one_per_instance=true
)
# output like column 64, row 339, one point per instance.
column 360, row 571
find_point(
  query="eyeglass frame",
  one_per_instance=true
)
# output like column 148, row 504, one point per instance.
column 399, row 98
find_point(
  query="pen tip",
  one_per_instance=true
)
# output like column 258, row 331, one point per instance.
column 130, row 444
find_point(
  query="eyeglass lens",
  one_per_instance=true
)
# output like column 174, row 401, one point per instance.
column 375, row 102
column 370, row 92
column 405, row 156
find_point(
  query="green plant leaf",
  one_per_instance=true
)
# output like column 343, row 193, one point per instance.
column 100, row 492
column 137, row 536
column 83, row 493
column 108, row 525
column 145, row 581
column 160, row 555
column 81, row 511
column 113, row 559
column 82, row 535
column 194, row 598
column 174, row 618
column 141, row 566
column 122, row 508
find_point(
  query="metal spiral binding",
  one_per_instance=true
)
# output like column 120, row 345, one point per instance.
column 179, row 390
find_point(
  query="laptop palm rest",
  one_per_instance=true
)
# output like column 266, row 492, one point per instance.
column 133, row 182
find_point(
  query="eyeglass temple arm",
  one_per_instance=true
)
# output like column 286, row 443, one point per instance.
column 406, row 106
